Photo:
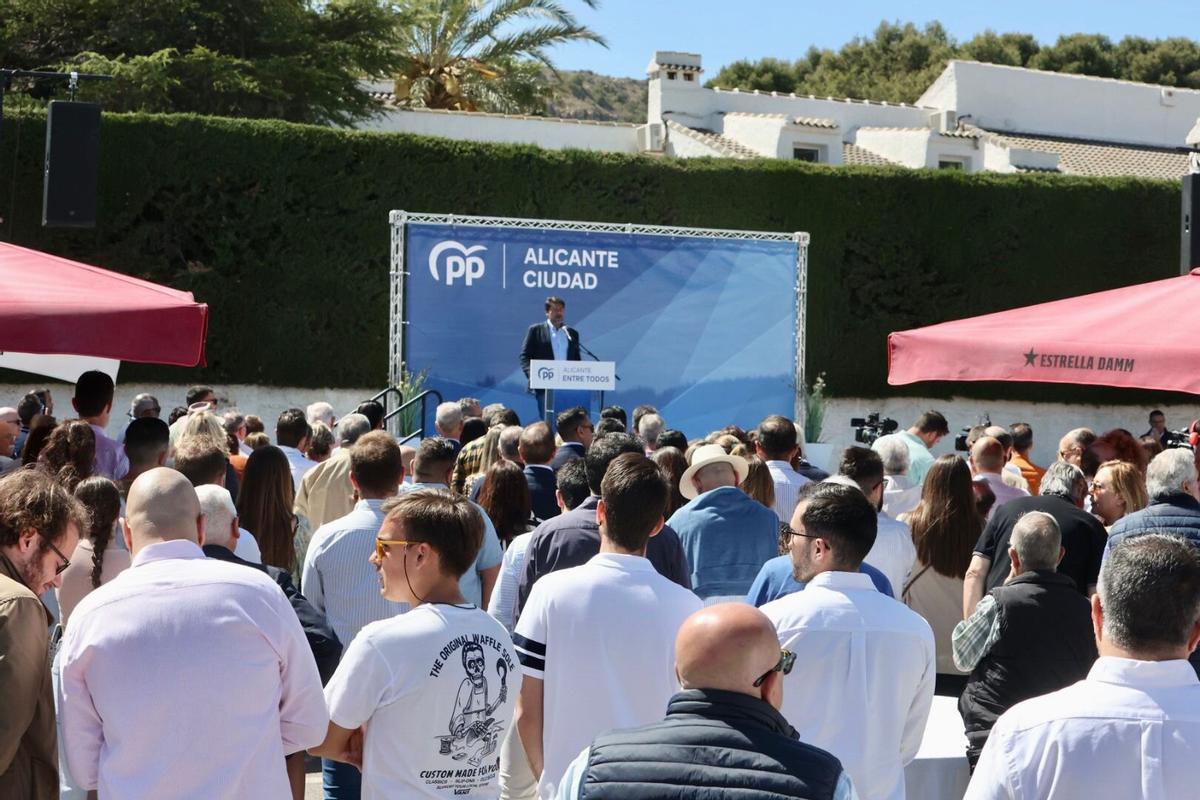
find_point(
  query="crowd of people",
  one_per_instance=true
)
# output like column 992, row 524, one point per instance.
column 595, row 609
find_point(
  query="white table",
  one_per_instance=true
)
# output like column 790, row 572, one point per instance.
column 940, row 770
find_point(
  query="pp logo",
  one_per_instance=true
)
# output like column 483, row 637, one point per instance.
column 460, row 262
column 545, row 373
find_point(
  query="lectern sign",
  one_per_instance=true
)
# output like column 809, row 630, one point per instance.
column 578, row 375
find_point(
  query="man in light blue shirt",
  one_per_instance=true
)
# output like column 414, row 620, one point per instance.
column 432, row 469
column 922, row 437
column 726, row 534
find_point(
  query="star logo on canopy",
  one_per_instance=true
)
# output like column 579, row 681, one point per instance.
column 1030, row 357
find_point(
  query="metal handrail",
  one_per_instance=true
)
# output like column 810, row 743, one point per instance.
column 422, row 398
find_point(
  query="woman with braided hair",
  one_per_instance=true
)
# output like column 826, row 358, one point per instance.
column 100, row 555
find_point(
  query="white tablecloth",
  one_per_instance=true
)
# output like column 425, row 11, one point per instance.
column 940, row 771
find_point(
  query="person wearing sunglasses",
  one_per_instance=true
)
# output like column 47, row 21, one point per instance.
column 39, row 523
column 869, row 661
column 723, row 730
column 421, row 701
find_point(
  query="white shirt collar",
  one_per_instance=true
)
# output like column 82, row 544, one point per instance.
column 541, row 466
column 782, row 465
column 1131, row 672
column 622, row 561
column 843, row 581
column 163, row 551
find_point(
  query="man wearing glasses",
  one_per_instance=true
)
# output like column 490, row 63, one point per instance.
column 723, row 731
column 39, row 522
column 868, row 676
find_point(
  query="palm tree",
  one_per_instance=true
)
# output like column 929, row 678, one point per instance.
column 471, row 55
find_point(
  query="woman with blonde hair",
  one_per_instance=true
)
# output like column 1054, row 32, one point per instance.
column 1118, row 489
column 945, row 527
column 758, row 483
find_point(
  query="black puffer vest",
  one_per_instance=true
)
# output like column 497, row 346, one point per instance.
column 1046, row 643
column 712, row 744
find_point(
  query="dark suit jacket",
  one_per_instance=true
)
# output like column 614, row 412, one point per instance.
column 324, row 643
column 569, row 451
column 537, row 345
column 541, row 491
column 572, row 538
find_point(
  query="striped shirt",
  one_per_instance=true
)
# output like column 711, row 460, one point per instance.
column 339, row 580
column 787, row 488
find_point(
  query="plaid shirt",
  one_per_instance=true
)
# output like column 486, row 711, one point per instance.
column 975, row 635
column 469, row 460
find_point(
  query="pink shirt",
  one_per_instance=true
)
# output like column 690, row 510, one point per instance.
column 187, row 677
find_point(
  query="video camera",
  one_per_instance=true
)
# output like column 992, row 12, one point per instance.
column 960, row 441
column 870, row 428
column 1183, row 439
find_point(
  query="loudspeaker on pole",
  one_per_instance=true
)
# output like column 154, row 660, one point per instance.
column 72, row 168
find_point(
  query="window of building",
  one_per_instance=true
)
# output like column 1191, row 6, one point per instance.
column 810, row 154
column 688, row 76
column 672, row 75
column 951, row 163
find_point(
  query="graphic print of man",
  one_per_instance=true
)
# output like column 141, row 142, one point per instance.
column 471, row 722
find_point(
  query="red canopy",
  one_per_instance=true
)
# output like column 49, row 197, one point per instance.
column 1145, row 336
column 51, row 305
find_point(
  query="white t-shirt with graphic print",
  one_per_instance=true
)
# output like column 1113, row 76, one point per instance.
column 436, row 689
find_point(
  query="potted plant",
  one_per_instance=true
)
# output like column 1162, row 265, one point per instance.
column 816, row 452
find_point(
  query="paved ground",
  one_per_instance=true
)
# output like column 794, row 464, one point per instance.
column 312, row 788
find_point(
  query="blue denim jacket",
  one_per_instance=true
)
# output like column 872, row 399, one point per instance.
column 727, row 536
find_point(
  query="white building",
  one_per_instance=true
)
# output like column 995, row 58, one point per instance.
column 974, row 117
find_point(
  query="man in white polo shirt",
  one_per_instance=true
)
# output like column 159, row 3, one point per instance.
column 865, row 683
column 597, row 642
column 777, row 445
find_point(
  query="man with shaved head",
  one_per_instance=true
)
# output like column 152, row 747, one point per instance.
column 185, row 676
column 723, row 731
column 987, row 461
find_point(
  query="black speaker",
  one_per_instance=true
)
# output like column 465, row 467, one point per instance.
column 1189, row 237
column 72, row 165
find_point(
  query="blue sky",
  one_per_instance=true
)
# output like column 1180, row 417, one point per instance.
column 726, row 30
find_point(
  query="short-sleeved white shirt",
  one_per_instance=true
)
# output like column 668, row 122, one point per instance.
column 602, row 637
column 436, row 689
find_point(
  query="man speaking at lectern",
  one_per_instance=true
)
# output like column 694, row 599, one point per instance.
column 549, row 341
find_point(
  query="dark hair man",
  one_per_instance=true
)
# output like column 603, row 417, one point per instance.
column 607, row 625
column 1158, row 427
column 432, row 469
column 444, row 669
column 292, row 433
column 1063, row 491
column 40, row 524
column 1031, row 636
column 777, row 444
column 570, row 539
column 191, row 617
column 1022, row 444
column 671, row 438
column 572, row 487
column 1132, row 727
column 921, row 437
column 551, row 340
column 201, row 394
column 615, row 412
column 201, row 460
column 893, row 552
column 576, row 430
column 93, row 402
column 536, row 448
column 608, row 425
column 373, row 411
column 147, row 441
column 723, row 732
column 868, row 679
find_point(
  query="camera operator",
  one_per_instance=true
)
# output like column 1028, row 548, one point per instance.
column 922, row 437
column 1158, row 428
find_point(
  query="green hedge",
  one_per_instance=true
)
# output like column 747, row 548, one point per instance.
column 282, row 229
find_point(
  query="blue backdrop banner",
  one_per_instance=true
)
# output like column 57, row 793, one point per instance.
column 703, row 328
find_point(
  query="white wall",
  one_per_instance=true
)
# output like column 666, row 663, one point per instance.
column 1049, row 420
column 761, row 134
column 907, row 147
column 1057, row 104
column 552, row 134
